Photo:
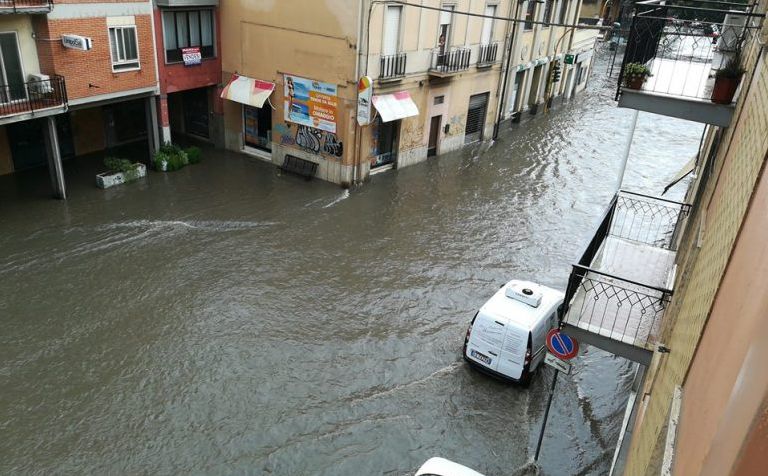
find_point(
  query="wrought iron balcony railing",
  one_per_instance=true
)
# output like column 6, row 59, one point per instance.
column 620, row 287
column 25, row 6
column 392, row 66
column 31, row 96
column 449, row 62
column 683, row 42
column 487, row 54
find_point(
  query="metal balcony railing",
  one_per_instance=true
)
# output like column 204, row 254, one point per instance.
column 31, row 96
column 392, row 66
column 453, row 61
column 25, row 6
column 683, row 42
column 619, row 288
column 487, row 54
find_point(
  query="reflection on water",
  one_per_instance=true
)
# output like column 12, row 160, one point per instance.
column 225, row 319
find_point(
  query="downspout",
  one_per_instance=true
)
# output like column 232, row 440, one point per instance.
column 358, row 130
column 505, row 70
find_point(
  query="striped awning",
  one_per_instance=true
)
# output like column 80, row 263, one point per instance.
column 395, row 106
column 248, row 91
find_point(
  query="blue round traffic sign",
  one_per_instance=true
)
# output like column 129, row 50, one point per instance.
column 562, row 345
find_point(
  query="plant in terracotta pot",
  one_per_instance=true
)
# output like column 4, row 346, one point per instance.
column 727, row 80
column 635, row 75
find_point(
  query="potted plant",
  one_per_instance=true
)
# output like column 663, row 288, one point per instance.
column 635, row 75
column 727, row 80
column 172, row 157
column 120, row 171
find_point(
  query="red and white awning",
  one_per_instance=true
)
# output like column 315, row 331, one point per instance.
column 248, row 91
column 395, row 106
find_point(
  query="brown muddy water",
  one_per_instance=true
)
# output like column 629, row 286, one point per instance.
column 224, row 319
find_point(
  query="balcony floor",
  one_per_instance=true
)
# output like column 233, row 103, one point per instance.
column 614, row 308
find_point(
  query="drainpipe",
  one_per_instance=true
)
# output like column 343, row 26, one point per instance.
column 635, row 113
column 358, row 130
column 505, row 71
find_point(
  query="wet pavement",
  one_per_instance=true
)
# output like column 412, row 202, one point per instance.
column 224, row 319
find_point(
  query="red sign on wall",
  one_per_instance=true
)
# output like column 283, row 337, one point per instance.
column 191, row 56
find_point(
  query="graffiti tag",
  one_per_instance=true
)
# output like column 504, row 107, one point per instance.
column 308, row 139
column 332, row 145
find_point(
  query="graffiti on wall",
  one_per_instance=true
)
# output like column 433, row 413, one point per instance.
column 316, row 141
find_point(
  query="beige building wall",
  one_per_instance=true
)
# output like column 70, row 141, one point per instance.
column 22, row 26
column 724, row 191
column 266, row 39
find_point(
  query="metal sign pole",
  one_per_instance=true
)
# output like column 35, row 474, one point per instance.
column 546, row 416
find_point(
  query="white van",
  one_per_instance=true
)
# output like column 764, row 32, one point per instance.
column 507, row 336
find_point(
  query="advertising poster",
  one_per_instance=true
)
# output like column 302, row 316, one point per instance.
column 364, row 95
column 311, row 103
column 191, row 56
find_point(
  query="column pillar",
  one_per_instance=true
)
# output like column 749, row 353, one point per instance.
column 55, row 167
column 153, row 137
column 165, row 122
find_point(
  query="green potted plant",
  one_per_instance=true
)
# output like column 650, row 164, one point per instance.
column 727, row 80
column 635, row 75
column 120, row 171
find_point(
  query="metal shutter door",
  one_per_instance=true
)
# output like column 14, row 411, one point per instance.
column 475, row 117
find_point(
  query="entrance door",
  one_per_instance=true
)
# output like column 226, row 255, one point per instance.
column 534, row 93
column 478, row 106
column 517, row 91
column 257, row 127
column 196, row 112
column 11, row 72
column 434, row 133
column 27, row 144
column 387, row 144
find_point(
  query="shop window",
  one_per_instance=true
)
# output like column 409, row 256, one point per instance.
column 387, row 143
column 257, row 127
column 184, row 29
column 124, row 48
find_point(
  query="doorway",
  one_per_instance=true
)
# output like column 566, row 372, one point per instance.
column 388, row 144
column 434, row 134
column 533, row 96
column 11, row 70
column 257, row 127
column 196, row 112
column 478, row 107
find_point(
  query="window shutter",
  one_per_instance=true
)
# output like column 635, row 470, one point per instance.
column 392, row 29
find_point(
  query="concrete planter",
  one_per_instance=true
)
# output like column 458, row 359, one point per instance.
column 110, row 179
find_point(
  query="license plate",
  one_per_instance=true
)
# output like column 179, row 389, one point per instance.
column 482, row 358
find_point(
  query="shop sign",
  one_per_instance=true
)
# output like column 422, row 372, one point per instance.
column 191, row 56
column 569, row 59
column 364, row 95
column 76, row 42
column 310, row 103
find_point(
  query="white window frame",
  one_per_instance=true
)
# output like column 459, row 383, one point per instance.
column 399, row 48
column 495, row 6
column 119, row 62
column 451, row 24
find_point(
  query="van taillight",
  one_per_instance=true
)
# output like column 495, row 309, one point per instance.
column 469, row 331
column 528, row 356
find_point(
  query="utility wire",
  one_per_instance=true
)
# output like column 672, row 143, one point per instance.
column 580, row 26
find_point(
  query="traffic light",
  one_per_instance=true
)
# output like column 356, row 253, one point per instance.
column 556, row 72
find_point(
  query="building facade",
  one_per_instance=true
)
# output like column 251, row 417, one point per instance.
column 78, row 77
column 435, row 77
column 189, row 65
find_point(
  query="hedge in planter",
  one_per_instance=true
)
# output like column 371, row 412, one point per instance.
column 171, row 157
column 120, row 171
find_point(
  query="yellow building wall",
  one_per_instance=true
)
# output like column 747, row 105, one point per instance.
column 22, row 25
column 718, row 218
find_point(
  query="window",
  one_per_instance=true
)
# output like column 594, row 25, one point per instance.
column 439, row 100
column 548, row 4
column 444, row 29
column 487, row 35
column 124, row 49
column 529, row 15
column 184, row 29
column 563, row 10
column 392, row 29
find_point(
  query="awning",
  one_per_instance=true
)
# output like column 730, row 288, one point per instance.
column 248, row 91
column 395, row 106
column 687, row 168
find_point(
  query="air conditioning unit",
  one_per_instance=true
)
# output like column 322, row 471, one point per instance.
column 40, row 83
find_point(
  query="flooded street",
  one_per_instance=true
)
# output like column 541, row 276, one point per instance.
column 224, row 319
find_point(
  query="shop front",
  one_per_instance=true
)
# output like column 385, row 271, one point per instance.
column 391, row 109
column 253, row 96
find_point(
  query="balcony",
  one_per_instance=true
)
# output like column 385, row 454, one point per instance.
column 618, row 291
column 683, row 55
column 25, row 6
column 34, row 98
column 448, row 63
column 392, row 67
column 487, row 55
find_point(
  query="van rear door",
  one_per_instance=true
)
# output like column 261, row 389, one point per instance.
column 513, row 349
column 485, row 341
